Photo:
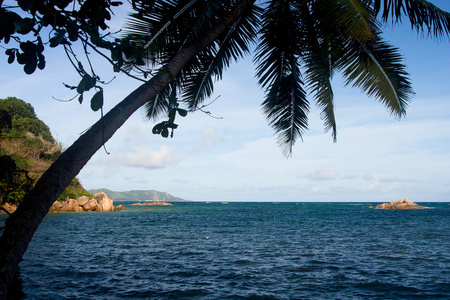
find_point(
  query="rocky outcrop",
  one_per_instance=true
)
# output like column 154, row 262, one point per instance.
column 400, row 204
column 153, row 203
column 100, row 202
column 9, row 207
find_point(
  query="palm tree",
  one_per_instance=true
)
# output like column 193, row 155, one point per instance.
column 299, row 45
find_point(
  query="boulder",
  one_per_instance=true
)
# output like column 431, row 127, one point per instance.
column 157, row 203
column 119, row 207
column 83, row 200
column 100, row 202
column 10, row 207
column 69, row 205
column 400, row 204
column 91, row 205
column 56, row 206
column 104, row 202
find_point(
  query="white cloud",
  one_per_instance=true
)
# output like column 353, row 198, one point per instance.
column 210, row 138
column 324, row 172
column 144, row 157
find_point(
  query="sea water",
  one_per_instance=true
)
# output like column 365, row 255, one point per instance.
column 242, row 251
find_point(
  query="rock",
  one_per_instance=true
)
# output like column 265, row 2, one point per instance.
column 400, row 204
column 69, row 205
column 10, row 207
column 104, row 202
column 100, row 202
column 158, row 203
column 56, row 206
column 91, row 205
column 83, row 200
column 136, row 204
column 119, row 207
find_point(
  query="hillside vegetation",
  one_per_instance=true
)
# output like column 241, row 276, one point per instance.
column 27, row 149
column 141, row 195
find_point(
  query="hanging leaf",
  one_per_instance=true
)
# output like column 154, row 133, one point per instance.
column 41, row 63
column 58, row 38
column 165, row 132
column 182, row 112
column 30, row 67
column 80, row 87
column 80, row 99
column 86, row 83
column 157, row 128
column 12, row 55
column 97, row 100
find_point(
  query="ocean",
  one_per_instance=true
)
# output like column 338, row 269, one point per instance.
column 242, row 251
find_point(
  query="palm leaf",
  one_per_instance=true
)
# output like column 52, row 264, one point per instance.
column 285, row 105
column 423, row 15
column 231, row 46
column 318, row 62
column 376, row 68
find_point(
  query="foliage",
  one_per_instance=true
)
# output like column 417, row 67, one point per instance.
column 74, row 191
column 5, row 121
column 14, row 182
column 17, row 108
column 299, row 46
column 32, row 25
column 23, row 155
column 24, row 120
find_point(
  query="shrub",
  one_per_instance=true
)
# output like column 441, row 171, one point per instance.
column 34, row 143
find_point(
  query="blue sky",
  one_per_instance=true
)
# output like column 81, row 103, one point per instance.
column 377, row 158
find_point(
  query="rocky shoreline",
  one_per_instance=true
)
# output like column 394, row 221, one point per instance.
column 99, row 202
column 153, row 203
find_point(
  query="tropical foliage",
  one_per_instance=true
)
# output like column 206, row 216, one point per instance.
column 27, row 149
column 299, row 46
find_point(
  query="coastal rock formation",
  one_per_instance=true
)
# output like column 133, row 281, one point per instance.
column 104, row 202
column 400, row 204
column 100, row 202
column 154, row 203
column 10, row 207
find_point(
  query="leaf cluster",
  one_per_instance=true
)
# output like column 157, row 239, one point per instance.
column 34, row 25
column 164, row 127
column 23, row 120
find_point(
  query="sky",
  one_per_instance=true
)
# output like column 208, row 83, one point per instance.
column 233, row 156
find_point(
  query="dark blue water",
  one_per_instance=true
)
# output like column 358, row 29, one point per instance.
column 254, row 251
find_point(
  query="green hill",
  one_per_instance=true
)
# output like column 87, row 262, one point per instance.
column 27, row 149
column 140, row 196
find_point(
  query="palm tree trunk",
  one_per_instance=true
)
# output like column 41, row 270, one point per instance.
column 21, row 225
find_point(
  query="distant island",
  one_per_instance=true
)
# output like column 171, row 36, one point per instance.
column 140, row 196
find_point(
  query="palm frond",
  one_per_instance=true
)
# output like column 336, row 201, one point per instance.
column 285, row 105
column 423, row 15
column 231, row 46
column 319, row 63
column 286, row 108
column 354, row 18
column 376, row 68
